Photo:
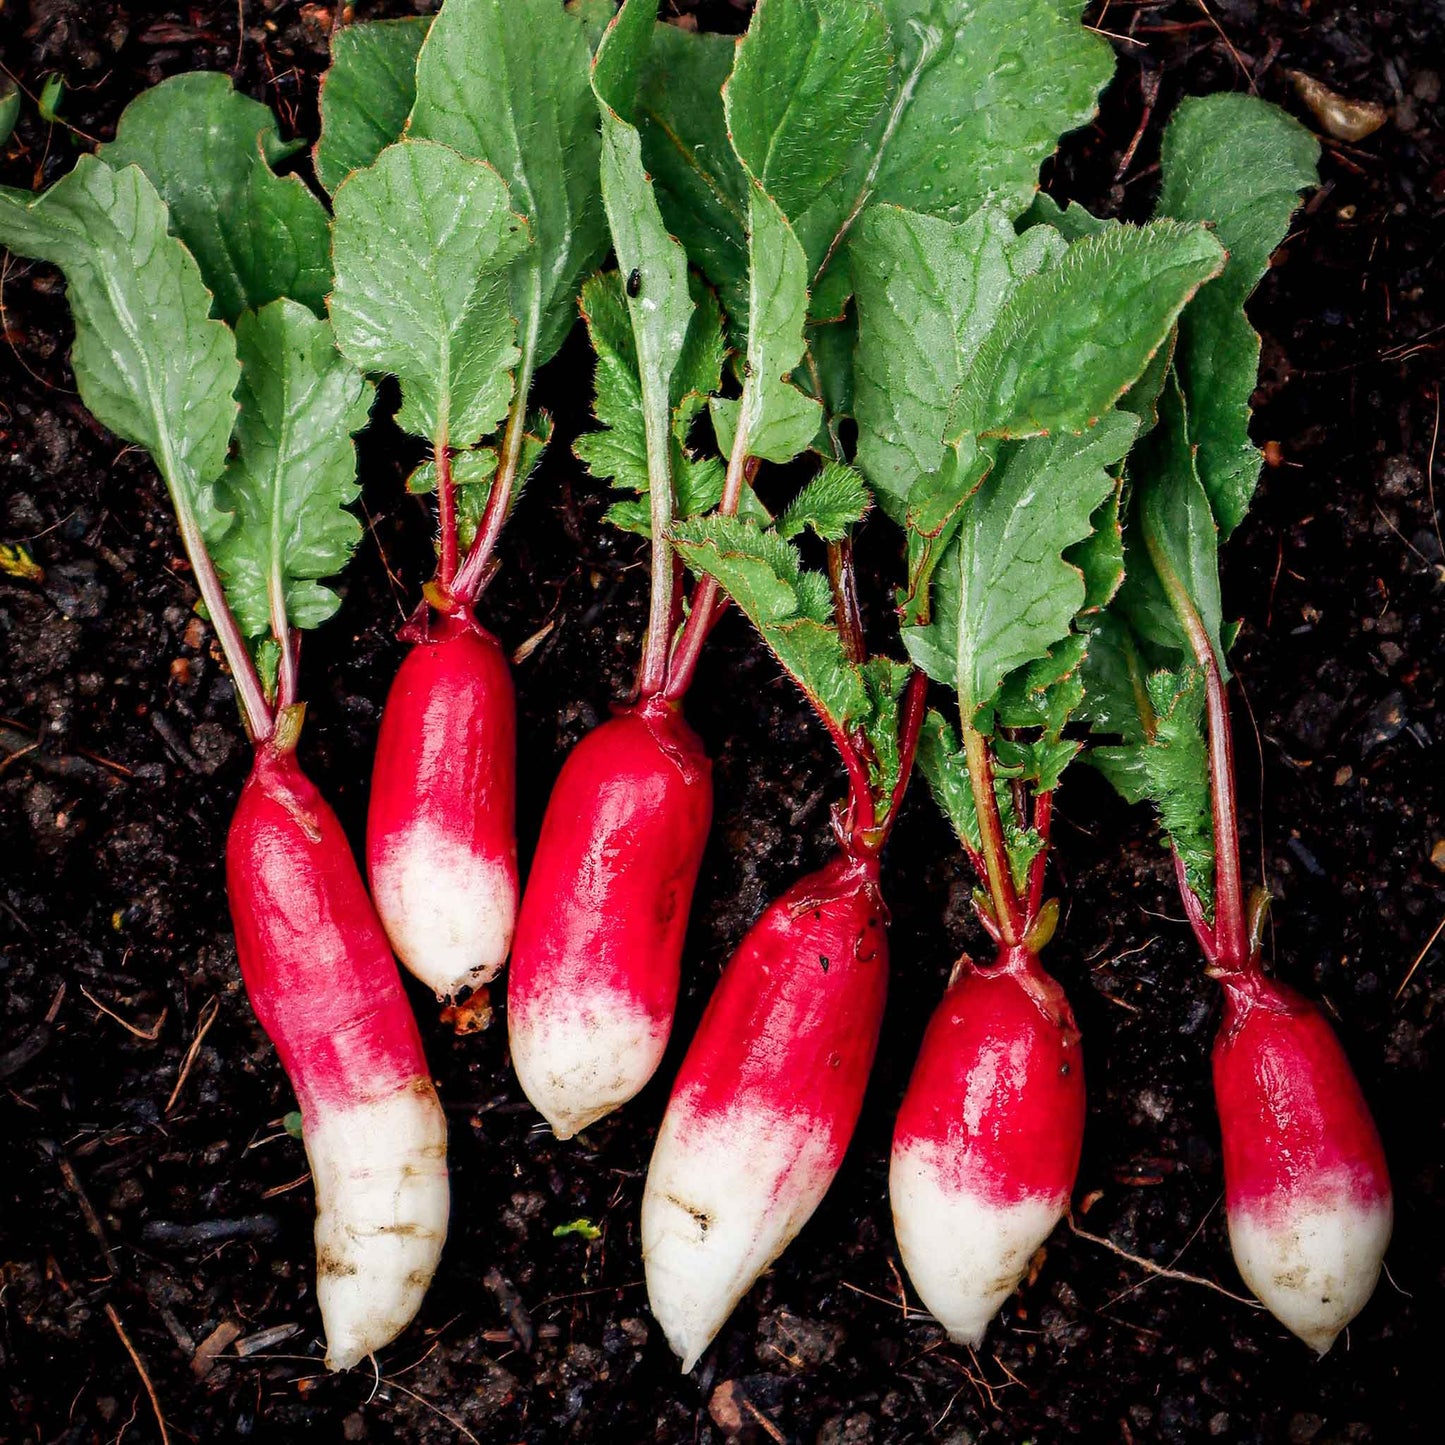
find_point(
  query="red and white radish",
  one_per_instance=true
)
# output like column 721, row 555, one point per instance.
column 324, row 985
column 987, row 1140
column 594, row 973
column 766, row 1100
column 441, row 838
column 1306, row 1186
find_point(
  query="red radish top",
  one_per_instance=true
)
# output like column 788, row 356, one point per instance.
column 1292, row 1116
column 316, row 964
column 794, row 1018
column 621, row 842
column 1000, row 1083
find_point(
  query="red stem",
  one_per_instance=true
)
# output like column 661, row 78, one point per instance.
column 447, row 514
column 995, row 871
column 1043, row 822
column 1194, row 912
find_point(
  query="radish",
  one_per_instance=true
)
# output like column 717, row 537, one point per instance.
column 769, row 1092
column 440, row 283
column 441, row 837
column 988, row 1138
column 324, row 985
column 766, row 1100
column 1307, row 1191
column 1305, row 1183
column 260, row 528
column 595, row 967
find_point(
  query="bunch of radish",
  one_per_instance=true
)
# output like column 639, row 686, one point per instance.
column 188, row 351
column 1052, row 409
column 1307, row 1192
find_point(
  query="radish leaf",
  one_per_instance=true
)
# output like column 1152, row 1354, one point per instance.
column 929, row 291
column 423, row 242
column 294, row 471
column 1004, row 596
column 833, row 502
column 763, row 574
column 506, row 82
column 367, row 94
column 151, row 364
column 809, row 78
column 1241, row 163
column 1071, row 339
column 209, row 150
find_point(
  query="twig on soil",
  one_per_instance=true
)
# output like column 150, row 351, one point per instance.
column 150, row 1035
column 901, row 1306
column 1159, row 1269
column 140, row 1369
column 87, row 1209
column 208, row 1017
column 1179, row 1254
column 1229, row 46
column 1420, row 957
column 1430, row 475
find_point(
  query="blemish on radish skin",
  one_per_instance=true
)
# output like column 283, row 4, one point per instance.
column 823, row 960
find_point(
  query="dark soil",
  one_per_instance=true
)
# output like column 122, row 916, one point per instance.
column 128, row 1207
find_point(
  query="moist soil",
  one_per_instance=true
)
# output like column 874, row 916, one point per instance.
column 155, row 1214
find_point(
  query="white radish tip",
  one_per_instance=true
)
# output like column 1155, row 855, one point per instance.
column 448, row 913
column 382, row 1202
column 724, row 1198
column 1313, row 1267
column 964, row 1253
column 578, row 1060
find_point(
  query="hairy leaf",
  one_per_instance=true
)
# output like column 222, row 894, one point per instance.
column 809, row 78
column 149, row 361
column 1071, row 339
column 1004, row 596
column 929, row 292
column 1241, row 163
column 294, row 471
column 701, row 187
column 1174, row 529
column 761, row 573
column 506, row 81
column 658, row 301
column 209, row 150
column 830, row 504
column 945, row 769
column 423, row 242
column 776, row 419
column 1175, row 765
column 884, row 680
column 1100, row 556
column 367, row 94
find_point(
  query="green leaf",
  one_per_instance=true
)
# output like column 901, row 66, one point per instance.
column 929, row 291
column 150, row 363
column 9, row 111
column 884, row 679
column 1071, row 221
column 982, row 90
column 1116, row 699
column 51, row 95
column 209, row 150
column 833, row 502
column 1071, row 339
column 658, row 301
column 1100, row 556
column 809, row 78
column 1046, row 692
column 423, row 240
column 294, row 471
column 367, row 94
column 701, row 187
column 1175, row 529
column 583, row 1228
column 470, row 470
column 776, row 419
column 761, row 573
column 506, row 81
column 945, row 769
column 1175, row 768
column 1004, row 596
column 1241, row 163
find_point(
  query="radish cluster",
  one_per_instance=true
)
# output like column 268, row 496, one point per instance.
column 1050, row 409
